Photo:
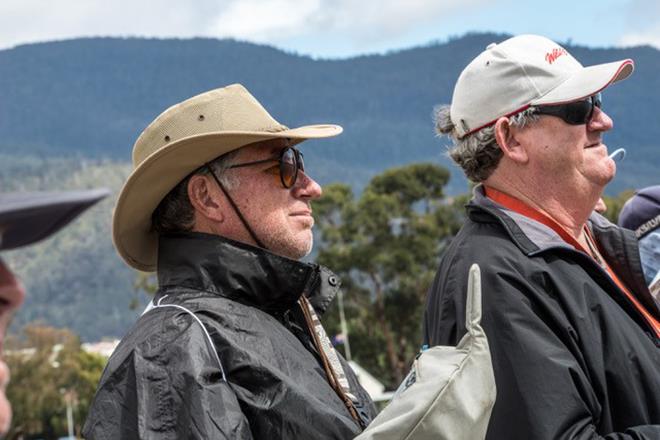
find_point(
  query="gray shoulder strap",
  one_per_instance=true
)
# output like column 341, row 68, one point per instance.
column 473, row 301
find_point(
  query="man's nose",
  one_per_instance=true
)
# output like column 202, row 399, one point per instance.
column 306, row 187
column 600, row 121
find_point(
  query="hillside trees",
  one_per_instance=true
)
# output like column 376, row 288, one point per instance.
column 48, row 367
column 385, row 245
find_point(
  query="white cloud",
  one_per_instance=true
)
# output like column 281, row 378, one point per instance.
column 642, row 23
column 265, row 20
column 42, row 20
column 650, row 37
column 375, row 19
column 365, row 24
column 271, row 21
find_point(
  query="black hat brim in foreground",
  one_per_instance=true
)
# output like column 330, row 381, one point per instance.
column 27, row 217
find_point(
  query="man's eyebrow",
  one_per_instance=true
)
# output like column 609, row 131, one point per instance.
column 277, row 147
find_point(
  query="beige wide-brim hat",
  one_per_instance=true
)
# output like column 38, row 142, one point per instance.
column 180, row 140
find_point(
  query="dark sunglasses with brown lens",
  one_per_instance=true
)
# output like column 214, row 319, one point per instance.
column 290, row 161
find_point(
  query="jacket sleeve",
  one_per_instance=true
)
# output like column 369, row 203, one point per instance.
column 167, row 386
column 543, row 388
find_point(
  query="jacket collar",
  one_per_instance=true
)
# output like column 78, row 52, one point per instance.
column 533, row 236
column 529, row 235
column 240, row 272
column 618, row 246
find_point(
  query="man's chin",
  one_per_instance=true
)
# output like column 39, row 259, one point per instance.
column 293, row 247
column 308, row 249
column 605, row 174
column 607, row 178
column 303, row 249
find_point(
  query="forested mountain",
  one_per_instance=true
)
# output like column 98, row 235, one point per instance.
column 92, row 97
column 71, row 110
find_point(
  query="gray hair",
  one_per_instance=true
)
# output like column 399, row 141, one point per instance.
column 175, row 213
column 478, row 153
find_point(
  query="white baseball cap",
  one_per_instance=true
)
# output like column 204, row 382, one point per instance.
column 524, row 71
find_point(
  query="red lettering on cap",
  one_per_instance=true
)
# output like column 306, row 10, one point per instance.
column 551, row 57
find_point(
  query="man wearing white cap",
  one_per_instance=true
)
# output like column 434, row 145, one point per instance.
column 572, row 328
column 219, row 205
column 26, row 218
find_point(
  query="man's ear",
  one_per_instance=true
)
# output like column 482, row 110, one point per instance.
column 204, row 198
column 508, row 139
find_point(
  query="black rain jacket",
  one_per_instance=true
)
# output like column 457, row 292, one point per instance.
column 163, row 382
column 572, row 357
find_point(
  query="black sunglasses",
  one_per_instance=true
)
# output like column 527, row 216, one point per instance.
column 290, row 160
column 573, row 113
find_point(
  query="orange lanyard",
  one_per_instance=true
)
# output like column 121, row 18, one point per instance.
column 520, row 207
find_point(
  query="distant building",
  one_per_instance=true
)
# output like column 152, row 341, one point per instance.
column 371, row 385
column 103, row 348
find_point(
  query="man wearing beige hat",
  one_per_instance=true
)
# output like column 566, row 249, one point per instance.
column 219, row 205
column 572, row 328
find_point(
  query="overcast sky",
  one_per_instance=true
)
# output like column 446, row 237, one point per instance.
column 332, row 28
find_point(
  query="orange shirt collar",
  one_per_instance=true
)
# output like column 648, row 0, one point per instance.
column 520, row 207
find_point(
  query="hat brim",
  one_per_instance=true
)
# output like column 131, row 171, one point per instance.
column 586, row 82
column 28, row 217
column 155, row 177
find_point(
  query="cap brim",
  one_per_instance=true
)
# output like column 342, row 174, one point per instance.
column 150, row 182
column 586, row 82
column 26, row 218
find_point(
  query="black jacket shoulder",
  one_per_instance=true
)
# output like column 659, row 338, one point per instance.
column 572, row 357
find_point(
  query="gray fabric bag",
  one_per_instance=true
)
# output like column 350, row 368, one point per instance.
column 449, row 392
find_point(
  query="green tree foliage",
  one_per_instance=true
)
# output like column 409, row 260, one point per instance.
column 385, row 245
column 615, row 203
column 146, row 282
column 48, row 367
